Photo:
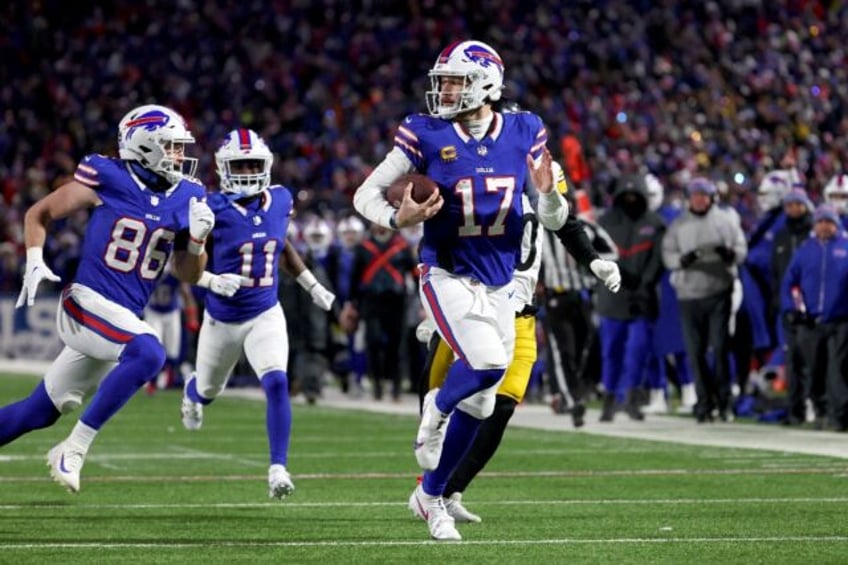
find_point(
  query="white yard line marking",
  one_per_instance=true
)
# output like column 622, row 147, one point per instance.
column 563, row 541
column 185, row 453
column 345, row 504
column 838, row 471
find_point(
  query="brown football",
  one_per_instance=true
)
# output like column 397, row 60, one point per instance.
column 422, row 187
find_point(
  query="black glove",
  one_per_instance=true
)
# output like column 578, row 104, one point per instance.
column 797, row 318
column 727, row 254
column 687, row 259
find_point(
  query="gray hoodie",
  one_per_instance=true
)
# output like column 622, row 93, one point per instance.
column 708, row 275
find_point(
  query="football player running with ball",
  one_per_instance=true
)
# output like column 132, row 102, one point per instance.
column 473, row 228
column 244, row 313
column 144, row 207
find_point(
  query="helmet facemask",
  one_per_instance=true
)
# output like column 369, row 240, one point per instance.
column 245, row 177
column 244, row 164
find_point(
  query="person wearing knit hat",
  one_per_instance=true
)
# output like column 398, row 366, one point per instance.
column 826, row 212
column 799, row 196
column 799, row 222
column 702, row 185
column 703, row 248
column 814, row 301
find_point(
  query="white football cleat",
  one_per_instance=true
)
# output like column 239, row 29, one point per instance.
column 431, row 433
column 280, row 484
column 658, row 404
column 191, row 411
column 432, row 510
column 65, row 462
column 688, row 399
column 458, row 511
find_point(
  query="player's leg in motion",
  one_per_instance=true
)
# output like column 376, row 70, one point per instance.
column 478, row 324
column 267, row 349
column 70, row 378
column 219, row 346
column 489, row 436
column 100, row 329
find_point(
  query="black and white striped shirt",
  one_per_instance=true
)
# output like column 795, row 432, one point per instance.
column 561, row 272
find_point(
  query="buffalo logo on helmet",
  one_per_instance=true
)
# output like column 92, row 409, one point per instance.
column 150, row 121
column 479, row 55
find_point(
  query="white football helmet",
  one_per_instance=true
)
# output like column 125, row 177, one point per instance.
column 350, row 231
column 481, row 69
column 773, row 188
column 318, row 237
column 243, row 145
column 656, row 192
column 156, row 137
column 836, row 194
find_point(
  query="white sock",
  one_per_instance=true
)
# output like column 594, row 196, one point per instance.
column 82, row 436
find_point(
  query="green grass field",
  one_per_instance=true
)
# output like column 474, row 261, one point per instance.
column 155, row 493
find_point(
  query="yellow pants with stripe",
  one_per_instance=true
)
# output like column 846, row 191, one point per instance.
column 514, row 384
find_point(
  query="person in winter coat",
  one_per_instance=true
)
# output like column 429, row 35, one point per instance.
column 703, row 247
column 626, row 316
column 813, row 299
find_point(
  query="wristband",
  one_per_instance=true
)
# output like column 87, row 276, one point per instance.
column 205, row 279
column 196, row 246
column 306, row 280
column 35, row 255
column 393, row 220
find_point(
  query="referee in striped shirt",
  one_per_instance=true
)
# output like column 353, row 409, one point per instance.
column 568, row 257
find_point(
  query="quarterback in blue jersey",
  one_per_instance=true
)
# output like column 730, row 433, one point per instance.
column 473, row 228
column 145, row 209
column 251, row 222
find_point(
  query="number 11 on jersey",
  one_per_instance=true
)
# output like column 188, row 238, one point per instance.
column 246, row 252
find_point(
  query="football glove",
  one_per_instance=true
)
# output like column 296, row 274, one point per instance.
column 608, row 272
column 201, row 220
column 35, row 272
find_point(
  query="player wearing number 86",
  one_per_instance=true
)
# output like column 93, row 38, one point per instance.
column 480, row 160
column 145, row 207
column 248, row 242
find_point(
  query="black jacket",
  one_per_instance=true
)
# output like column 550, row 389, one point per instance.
column 786, row 241
column 637, row 233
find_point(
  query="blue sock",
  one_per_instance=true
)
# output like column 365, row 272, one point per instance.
column 140, row 361
column 458, row 439
column 191, row 392
column 461, row 382
column 34, row 412
column 278, row 415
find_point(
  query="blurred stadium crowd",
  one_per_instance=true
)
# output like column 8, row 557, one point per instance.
column 724, row 89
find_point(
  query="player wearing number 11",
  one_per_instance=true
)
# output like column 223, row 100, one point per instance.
column 249, row 239
column 473, row 228
column 144, row 206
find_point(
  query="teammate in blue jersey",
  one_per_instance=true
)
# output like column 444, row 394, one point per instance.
column 473, row 228
column 145, row 208
column 169, row 299
column 251, row 222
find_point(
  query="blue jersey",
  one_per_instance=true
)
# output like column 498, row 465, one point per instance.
column 478, row 231
column 247, row 240
column 166, row 295
column 130, row 236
